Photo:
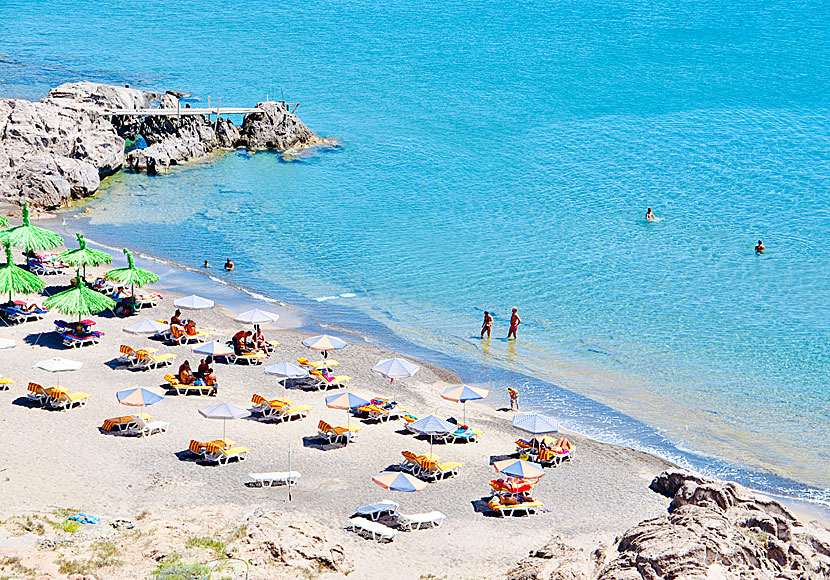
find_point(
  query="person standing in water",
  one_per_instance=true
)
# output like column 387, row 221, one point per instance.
column 487, row 325
column 228, row 265
column 515, row 321
column 649, row 215
column 759, row 249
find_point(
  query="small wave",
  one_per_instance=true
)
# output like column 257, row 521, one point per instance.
column 324, row 298
column 348, row 295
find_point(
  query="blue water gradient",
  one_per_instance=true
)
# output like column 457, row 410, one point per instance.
column 496, row 154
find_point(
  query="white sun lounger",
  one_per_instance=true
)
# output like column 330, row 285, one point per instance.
column 375, row 510
column 376, row 530
column 144, row 428
column 275, row 478
column 417, row 521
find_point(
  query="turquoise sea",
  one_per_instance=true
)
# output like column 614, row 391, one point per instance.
column 495, row 154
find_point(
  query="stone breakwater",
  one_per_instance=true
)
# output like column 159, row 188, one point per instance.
column 713, row 530
column 59, row 148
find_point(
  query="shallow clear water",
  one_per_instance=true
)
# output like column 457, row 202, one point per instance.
column 496, row 154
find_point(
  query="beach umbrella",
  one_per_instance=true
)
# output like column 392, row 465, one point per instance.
column 257, row 317
column 138, row 397
column 325, row 343
column 519, row 468
column 13, row 278
column 399, row 481
column 83, row 256
column 396, row 368
column 347, row 401
column 146, row 326
column 285, row 371
column 58, row 366
column 6, row 343
column 464, row 393
column 432, row 425
column 214, row 349
column 535, row 423
column 30, row 237
column 193, row 302
column 224, row 411
column 131, row 275
column 80, row 300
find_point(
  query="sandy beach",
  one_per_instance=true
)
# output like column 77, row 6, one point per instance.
column 62, row 461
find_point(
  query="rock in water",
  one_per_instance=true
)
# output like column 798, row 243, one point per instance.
column 713, row 531
column 275, row 128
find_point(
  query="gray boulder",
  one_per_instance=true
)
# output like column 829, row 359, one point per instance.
column 275, row 128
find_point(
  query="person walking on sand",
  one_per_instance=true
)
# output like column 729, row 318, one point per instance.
column 515, row 321
column 759, row 249
column 228, row 265
column 487, row 325
column 514, row 398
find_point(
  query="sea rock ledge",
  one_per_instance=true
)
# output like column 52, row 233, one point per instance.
column 59, row 148
column 712, row 531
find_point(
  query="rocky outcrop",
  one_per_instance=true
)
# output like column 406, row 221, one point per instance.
column 60, row 147
column 275, row 541
column 275, row 128
column 713, row 530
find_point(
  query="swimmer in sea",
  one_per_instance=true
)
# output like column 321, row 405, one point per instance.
column 228, row 265
column 487, row 326
column 649, row 215
column 206, row 264
column 759, row 249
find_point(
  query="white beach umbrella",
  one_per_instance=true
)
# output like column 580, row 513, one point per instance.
column 432, row 425
column 146, row 326
column 224, row 411
column 396, row 368
column 214, row 349
column 6, row 343
column 193, row 302
column 535, row 423
column 58, row 365
column 257, row 317
column 325, row 343
column 285, row 371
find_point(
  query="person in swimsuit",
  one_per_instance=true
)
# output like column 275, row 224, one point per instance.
column 649, row 215
column 759, row 249
column 514, row 398
column 228, row 265
column 487, row 325
column 176, row 319
column 515, row 321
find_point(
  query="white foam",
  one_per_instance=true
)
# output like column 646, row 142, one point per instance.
column 348, row 295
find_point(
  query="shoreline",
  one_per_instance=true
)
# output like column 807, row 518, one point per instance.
column 308, row 318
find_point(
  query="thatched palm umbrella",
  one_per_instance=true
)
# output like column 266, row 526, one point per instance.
column 15, row 279
column 30, row 237
column 132, row 275
column 83, row 256
column 80, row 300
column 4, row 223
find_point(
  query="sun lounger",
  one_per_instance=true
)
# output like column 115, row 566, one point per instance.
column 203, row 449
column 74, row 340
column 432, row 470
column 274, row 479
column 150, row 361
column 265, row 407
column 145, row 425
column 180, row 388
column 376, row 530
column 180, row 336
column 461, row 435
column 512, row 485
column 131, row 356
column 118, row 424
column 45, row 265
column 335, row 434
column 292, row 413
column 527, row 507
column 318, row 365
column 381, row 410
column 248, row 358
column 15, row 313
column 555, row 455
column 37, row 394
column 224, row 455
column 326, row 382
column 5, row 383
column 418, row 521
column 375, row 510
column 62, row 400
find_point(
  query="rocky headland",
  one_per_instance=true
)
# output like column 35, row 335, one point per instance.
column 59, row 148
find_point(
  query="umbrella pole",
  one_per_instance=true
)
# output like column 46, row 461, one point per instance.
column 465, row 412
column 289, row 472
column 224, row 425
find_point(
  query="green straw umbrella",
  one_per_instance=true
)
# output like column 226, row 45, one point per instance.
column 83, row 256
column 80, row 300
column 15, row 279
column 132, row 275
column 4, row 223
column 30, row 237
